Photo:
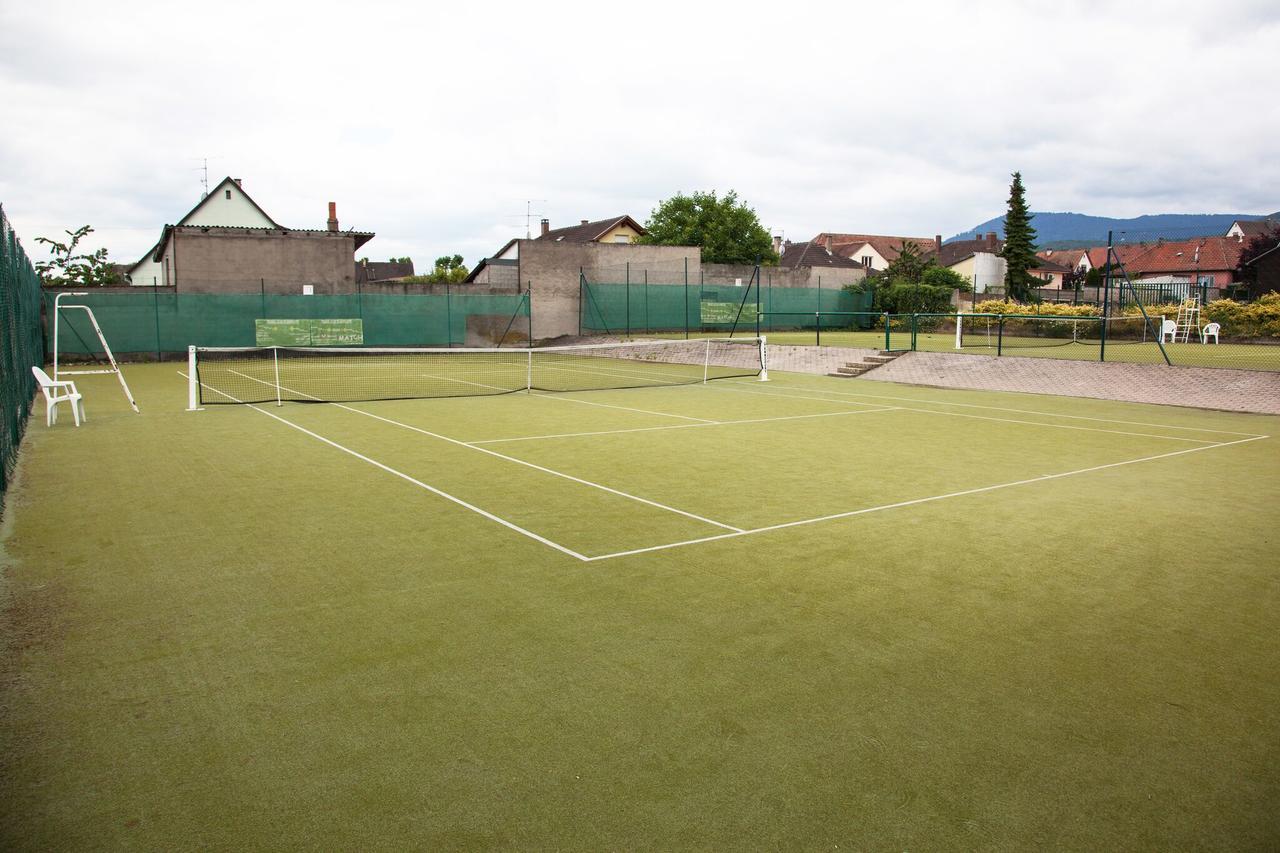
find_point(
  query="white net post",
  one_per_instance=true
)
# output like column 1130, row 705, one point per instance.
column 959, row 333
column 764, row 360
column 706, row 361
column 193, row 388
column 275, row 359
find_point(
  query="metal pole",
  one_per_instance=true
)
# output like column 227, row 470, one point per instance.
column 1106, row 302
column 448, row 315
column 156, row 300
column 582, row 303
column 1000, row 337
column 686, row 298
column 528, row 297
column 886, row 331
column 628, row 295
column 646, row 302
column 758, row 277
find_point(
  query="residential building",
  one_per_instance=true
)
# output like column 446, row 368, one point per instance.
column 503, row 266
column 1205, row 262
column 227, row 243
column 368, row 271
column 978, row 261
column 1267, row 268
column 873, row 251
column 1244, row 230
column 816, row 255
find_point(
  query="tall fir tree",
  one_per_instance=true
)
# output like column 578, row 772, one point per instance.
column 1019, row 243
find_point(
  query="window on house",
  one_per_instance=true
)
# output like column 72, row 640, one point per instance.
column 866, row 260
column 228, row 192
column 621, row 238
column 1204, row 280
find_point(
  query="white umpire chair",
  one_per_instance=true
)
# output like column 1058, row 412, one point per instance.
column 1169, row 330
column 59, row 392
column 1210, row 331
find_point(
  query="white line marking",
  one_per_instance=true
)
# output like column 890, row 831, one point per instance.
column 498, row 455
column 679, row 426
column 900, row 399
column 917, row 501
column 459, row 501
column 1008, row 420
column 555, row 396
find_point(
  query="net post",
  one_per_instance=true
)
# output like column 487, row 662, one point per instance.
column 528, row 371
column 1000, row 337
column 193, row 386
column 959, row 320
column 764, row 360
column 275, row 359
column 706, row 361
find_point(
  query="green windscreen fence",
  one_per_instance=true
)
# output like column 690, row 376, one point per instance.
column 21, row 346
column 643, row 308
column 166, row 323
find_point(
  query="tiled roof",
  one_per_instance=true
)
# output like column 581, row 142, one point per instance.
column 1046, row 265
column 887, row 246
column 1203, row 254
column 814, row 254
column 1256, row 227
column 1070, row 259
column 381, row 270
column 589, row 232
column 958, row 250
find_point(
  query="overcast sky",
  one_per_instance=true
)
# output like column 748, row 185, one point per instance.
column 433, row 124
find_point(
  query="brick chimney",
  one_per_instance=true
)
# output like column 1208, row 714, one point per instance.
column 991, row 238
column 237, row 180
column 584, row 222
column 333, row 216
column 937, row 243
column 546, row 226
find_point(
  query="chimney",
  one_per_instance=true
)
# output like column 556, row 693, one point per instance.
column 584, row 222
column 777, row 244
column 546, row 226
column 991, row 238
column 237, row 180
column 333, row 216
column 826, row 244
column 937, row 243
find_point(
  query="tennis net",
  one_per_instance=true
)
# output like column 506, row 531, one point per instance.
column 347, row 375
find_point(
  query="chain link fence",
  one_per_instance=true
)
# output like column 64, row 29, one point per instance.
column 21, row 349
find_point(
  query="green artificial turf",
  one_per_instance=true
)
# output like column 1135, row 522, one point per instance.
column 222, row 632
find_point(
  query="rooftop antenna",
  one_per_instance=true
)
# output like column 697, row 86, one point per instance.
column 529, row 214
column 203, row 169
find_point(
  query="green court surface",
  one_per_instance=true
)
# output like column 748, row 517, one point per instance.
column 803, row 614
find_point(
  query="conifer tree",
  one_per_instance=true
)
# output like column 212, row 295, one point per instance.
column 1019, row 249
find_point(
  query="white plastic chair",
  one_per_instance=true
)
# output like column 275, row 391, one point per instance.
column 1168, row 329
column 1210, row 331
column 53, row 398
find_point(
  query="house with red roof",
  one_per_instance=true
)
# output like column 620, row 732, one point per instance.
column 873, row 251
column 1205, row 262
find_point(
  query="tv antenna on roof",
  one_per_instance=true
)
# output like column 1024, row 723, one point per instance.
column 529, row 214
column 203, row 169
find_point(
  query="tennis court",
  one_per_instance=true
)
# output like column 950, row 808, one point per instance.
column 805, row 612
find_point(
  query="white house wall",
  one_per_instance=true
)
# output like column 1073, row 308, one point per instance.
column 237, row 210
column 147, row 274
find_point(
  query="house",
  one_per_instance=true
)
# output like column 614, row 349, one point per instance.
column 1267, row 273
column 619, row 229
column 228, row 244
column 978, row 261
column 812, row 254
column 1075, row 260
column 1203, row 262
column 373, row 271
column 873, row 251
column 1244, row 230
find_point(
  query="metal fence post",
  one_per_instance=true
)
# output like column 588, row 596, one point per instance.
column 1000, row 336
column 686, row 298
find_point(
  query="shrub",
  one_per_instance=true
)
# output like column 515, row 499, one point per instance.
column 1043, row 309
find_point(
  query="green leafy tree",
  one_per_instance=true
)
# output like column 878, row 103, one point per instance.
column 1259, row 245
column 1019, row 249
column 728, row 231
column 77, row 269
column 912, row 284
column 449, row 269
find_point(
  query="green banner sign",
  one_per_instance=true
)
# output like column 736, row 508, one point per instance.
column 727, row 312
column 309, row 333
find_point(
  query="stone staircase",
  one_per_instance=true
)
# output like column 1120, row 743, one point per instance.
column 870, row 362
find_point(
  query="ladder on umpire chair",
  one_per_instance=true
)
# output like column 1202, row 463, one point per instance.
column 1188, row 319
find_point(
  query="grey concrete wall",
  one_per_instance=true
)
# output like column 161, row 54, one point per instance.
column 225, row 262
column 551, row 272
column 825, row 277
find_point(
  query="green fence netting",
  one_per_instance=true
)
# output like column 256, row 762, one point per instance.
column 160, row 323
column 656, row 308
column 21, row 346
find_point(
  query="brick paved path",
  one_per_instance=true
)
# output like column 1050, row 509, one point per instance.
column 1200, row 387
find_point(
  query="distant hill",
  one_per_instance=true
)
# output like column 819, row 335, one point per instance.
column 1074, row 230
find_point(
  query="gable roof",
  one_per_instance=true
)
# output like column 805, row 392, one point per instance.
column 1203, row 254
column 229, row 183
column 1255, row 227
column 590, row 232
column 959, row 250
column 813, row 254
column 885, row 245
column 368, row 271
column 1070, row 259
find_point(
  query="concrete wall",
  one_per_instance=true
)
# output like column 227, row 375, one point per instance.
column 499, row 274
column 551, row 272
column 227, row 262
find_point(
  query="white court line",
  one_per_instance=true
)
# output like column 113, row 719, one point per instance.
column 1009, row 420
column 916, row 501
column 498, row 455
column 555, row 396
column 459, row 501
column 680, row 426
column 998, row 409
